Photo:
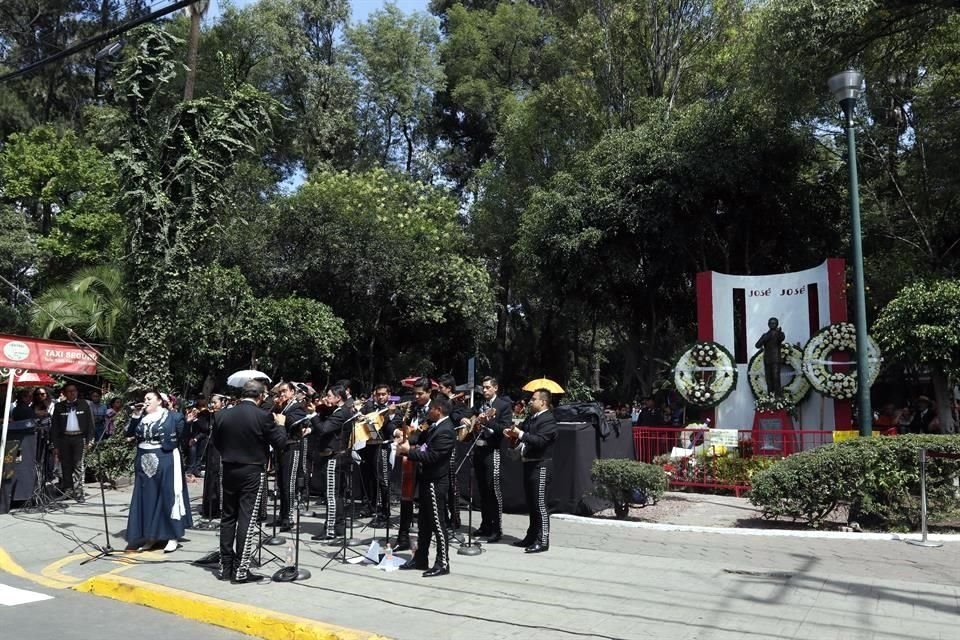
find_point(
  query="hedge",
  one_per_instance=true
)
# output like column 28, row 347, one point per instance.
column 878, row 479
column 618, row 480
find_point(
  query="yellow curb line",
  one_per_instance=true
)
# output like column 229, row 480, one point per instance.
column 52, row 570
column 9, row 565
column 254, row 621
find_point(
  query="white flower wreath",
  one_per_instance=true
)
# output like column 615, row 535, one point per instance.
column 841, row 336
column 705, row 374
column 794, row 391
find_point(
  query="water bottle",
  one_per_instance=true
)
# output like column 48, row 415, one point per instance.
column 289, row 561
column 388, row 555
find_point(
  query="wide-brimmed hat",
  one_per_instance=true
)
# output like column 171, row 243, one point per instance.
column 924, row 399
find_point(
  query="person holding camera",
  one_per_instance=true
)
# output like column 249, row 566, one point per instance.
column 243, row 435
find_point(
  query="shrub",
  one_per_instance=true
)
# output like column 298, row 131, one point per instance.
column 878, row 479
column 617, row 480
column 114, row 459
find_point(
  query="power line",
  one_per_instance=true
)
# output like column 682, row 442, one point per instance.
column 97, row 39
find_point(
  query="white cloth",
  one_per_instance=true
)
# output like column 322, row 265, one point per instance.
column 179, row 509
column 73, row 425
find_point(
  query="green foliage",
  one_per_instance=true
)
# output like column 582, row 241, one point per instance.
column 67, row 190
column 734, row 469
column 921, row 326
column 296, row 336
column 616, row 480
column 878, row 479
column 114, row 460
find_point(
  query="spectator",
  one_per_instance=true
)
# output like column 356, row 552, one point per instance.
column 99, row 414
column 923, row 417
column 649, row 416
column 113, row 410
column 21, row 408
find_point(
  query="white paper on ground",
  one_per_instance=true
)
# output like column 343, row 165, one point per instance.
column 373, row 553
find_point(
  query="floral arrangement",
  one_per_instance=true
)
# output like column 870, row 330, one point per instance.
column 793, row 392
column 841, row 336
column 705, row 374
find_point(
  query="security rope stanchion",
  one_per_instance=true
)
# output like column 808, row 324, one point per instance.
column 923, row 542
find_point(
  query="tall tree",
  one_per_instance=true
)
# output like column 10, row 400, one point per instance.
column 196, row 11
column 173, row 165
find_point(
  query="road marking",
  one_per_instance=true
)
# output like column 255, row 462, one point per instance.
column 12, row 596
column 10, row 566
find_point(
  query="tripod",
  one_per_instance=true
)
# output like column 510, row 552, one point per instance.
column 346, row 488
column 106, row 550
column 469, row 548
column 295, row 572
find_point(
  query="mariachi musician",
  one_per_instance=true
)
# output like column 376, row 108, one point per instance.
column 290, row 414
column 448, row 388
column 486, row 456
column 329, row 444
column 375, row 455
column 414, row 420
column 212, row 490
column 535, row 438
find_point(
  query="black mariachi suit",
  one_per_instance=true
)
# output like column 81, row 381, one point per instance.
column 288, row 460
column 72, row 448
column 536, row 450
column 242, row 435
column 457, row 413
column 432, row 451
column 375, row 466
column 486, row 464
column 329, row 442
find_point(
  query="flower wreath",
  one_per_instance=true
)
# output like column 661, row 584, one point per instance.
column 705, row 374
column 841, row 336
column 793, row 392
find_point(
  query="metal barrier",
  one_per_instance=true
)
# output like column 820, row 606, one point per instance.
column 923, row 542
column 721, row 458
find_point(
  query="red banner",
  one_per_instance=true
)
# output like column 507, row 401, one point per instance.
column 34, row 354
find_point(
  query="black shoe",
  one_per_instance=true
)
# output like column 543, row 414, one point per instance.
column 495, row 537
column 481, row 532
column 225, row 575
column 413, row 563
column 379, row 522
column 248, row 578
column 526, row 542
column 436, row 571
column 285, row 527
column 80, row 498
column 403, row 543
column 536, row 547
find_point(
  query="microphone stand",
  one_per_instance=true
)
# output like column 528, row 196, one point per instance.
column 469, row 548
column 106, row 550
column 296, row 572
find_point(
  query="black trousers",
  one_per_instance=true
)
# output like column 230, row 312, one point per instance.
column 288, row 461
column 330, row 469
column 453, row 495
column 72, row 469
column 376, row 488
column 486, row 465
column 536, row 483
column 242, row 496
column 430, row 523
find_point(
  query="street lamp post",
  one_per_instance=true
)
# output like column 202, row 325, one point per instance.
column 846, row 88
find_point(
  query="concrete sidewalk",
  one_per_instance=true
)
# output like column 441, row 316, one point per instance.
column 596, row 581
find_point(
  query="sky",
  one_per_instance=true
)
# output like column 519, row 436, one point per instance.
column 360, row 8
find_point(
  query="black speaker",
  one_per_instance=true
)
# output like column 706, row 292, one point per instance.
column 19, row 477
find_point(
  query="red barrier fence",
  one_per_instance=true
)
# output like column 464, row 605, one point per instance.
column 721, row 458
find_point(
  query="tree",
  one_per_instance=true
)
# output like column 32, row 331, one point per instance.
column 94, row 305
column 173, row 165
column 921, row 328
column 66, row 189
column 395, row 58
column 196, row 11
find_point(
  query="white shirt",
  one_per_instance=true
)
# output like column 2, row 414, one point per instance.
column 73, row 425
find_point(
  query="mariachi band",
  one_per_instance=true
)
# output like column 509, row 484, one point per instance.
column 328, row 433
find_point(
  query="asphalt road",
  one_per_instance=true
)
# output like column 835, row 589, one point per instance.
column 70, row 615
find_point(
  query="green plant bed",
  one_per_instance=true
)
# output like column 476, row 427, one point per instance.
column 620, row 480
column 877, row 479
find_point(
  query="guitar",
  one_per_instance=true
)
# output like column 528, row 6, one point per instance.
column 477, row 422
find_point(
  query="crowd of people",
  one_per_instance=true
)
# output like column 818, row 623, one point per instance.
column 289, row 432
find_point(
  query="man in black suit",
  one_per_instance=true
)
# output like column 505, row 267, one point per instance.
column 448, row 387
column 243, row 434
column 72, row 429
column 535, row 438
column 375, row 468
column 330, row 443
column 431, row 450
column 291, row 415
